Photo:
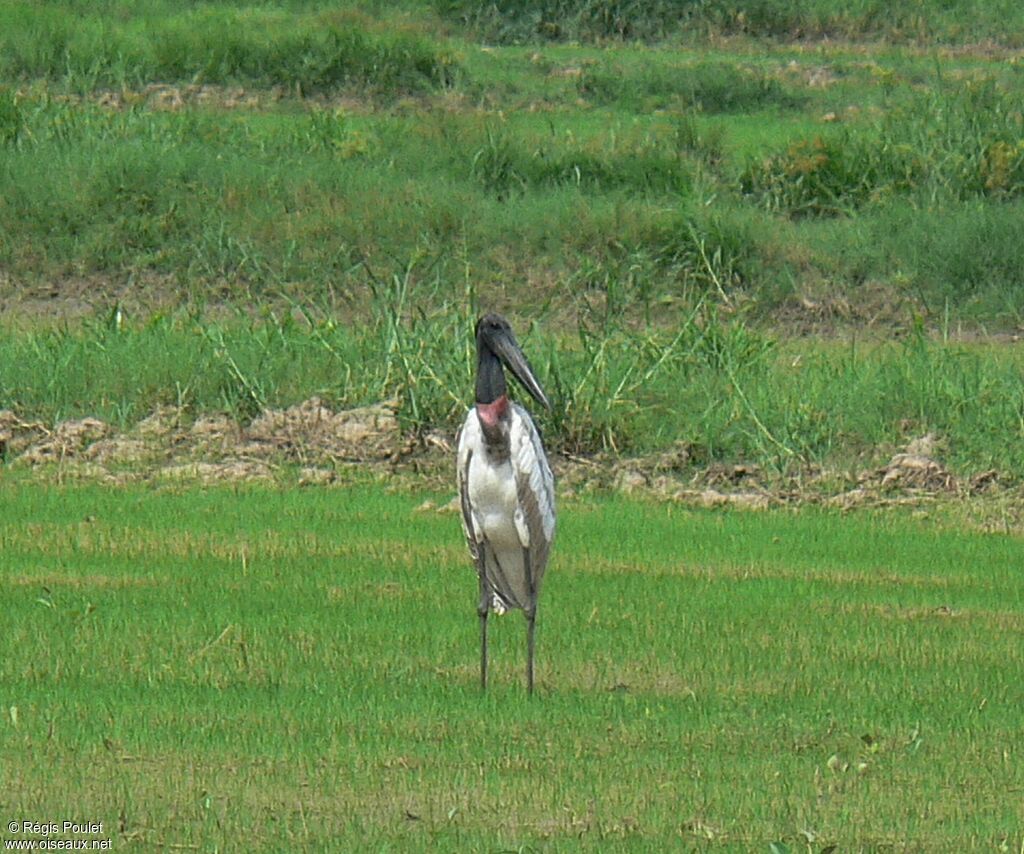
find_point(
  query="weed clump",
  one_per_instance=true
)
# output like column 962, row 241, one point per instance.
column 949, row 146
column 712, row 87
column 812, row 177
column 505, row 164
column 12, row 118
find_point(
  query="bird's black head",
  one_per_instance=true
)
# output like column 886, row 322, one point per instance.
column 491, row 326
column 496, row 345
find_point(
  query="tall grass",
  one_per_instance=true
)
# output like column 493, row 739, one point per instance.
column 929, row 21
column 964, row 259
column 930, row 189
column 952, row 144
column 709, row 86
column 313, row 50
column 505, row 164
column 707, row 384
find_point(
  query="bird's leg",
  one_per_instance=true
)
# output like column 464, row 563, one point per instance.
column 531, row 615
column 481, row 610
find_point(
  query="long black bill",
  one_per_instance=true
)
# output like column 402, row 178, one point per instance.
column 507, row 349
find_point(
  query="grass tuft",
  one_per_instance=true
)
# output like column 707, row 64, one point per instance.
column 712, row 87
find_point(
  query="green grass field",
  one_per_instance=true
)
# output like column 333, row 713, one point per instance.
column 269, row 669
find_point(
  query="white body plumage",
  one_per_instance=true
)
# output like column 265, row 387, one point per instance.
column 508, row 503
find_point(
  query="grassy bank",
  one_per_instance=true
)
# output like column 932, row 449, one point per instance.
column 298, row 669
column 308, row 47
column 305, row 151
column 926, row 22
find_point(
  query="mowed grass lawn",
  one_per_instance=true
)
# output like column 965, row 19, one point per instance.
column 275, row 669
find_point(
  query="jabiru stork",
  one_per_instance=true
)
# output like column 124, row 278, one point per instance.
column 506, row 487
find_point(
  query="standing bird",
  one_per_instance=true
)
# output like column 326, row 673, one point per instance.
column 506, row 487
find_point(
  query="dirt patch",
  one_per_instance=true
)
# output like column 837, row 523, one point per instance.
column 164, row 96
column 311, row 430
column 206, row 472
column 314, row 476
column 311, row 445
column 118, row 451
column 163, row 422
column 212, row 435
column 812, row 76
column 915, row 471
column 56, row 580
column 165, row 445
column 915, row 468
column 821, row 309
column 67, row 440
column 17, row 434
column 714, row 498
